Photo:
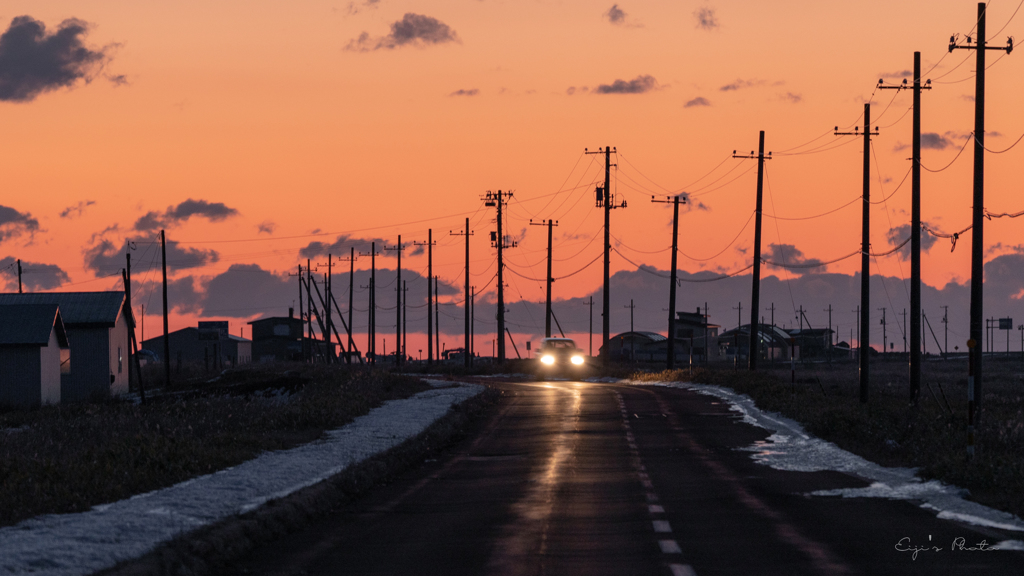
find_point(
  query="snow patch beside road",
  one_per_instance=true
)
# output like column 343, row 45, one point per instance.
column 86, row 542
column 790, row 448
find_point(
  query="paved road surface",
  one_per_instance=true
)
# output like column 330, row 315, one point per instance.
column 580, row 478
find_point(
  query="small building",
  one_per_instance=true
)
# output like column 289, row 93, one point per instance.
column 632, row 345
column 98, row 337
column 694, row 332
column 813, row 343
column 33, row 354
column 208, row 346
column 277, row 338
column 773, row 343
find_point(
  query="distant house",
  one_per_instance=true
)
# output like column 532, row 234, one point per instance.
column 773, row 343
column 694, row 331
column 208, row 345
column 632, row 345
column 277, row 338
column 98, row 337
column 33, row 353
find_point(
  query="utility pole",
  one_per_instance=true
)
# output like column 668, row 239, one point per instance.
column 19, row 276
column 670, row 349
column 467, row 233
column 632, row 340
column 915, row 234
column 131, row 321
column 830, row 343
column 371, row 331
column 351, row 290
column 865, row 253
column 945, row 320
column 167, row 341
column 591, row 326
column 405, row 319
column 499, row 199
column 437, row 320
column 430, row 293
column 472, row 316
column 398, row 303
column 309, row 312
column 885, row 337
column 547, row 309
column 301, row 307
column 328, row 317
column 606, row 200
column 904, row 330
column 978, row 220
column 755, row 291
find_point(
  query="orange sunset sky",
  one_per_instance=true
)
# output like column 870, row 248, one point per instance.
column 249, row 130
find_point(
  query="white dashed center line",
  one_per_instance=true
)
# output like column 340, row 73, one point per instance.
column 660, row 526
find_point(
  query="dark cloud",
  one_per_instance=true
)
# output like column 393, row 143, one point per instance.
column 899, row 74
column 14, row 223
column 572, row 90
column 183, row 295
column 118, row 80
column 706, row 18
column 105, row 256
column 692, row 204
column 698, row 101
column 638, row 85
column 615, row 15
column 411, row 30
column 213, row 211
column 739, row 84
column 76, row 210
column 464, row 92
column 900, row 233
column 343, row 244
column 266, row 227
column 790, row 255
column 34, row 275
column 930, row 140
column 354, row 8
column 245, row 289
column 33, row 61
column 790, row 97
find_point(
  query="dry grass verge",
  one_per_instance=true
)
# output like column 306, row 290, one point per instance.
column 68, row 458
column 889, row 431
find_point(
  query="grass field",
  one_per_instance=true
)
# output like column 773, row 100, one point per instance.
column 889, row 430
column 70, row 457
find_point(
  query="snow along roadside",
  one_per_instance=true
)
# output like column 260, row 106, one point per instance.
column 791, row 448
column 86, row 542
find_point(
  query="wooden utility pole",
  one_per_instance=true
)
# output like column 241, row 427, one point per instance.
column 167, row 342
column 865, row 253
column 131, row 326
column 885, row 335
column 398, row 303
column 755, row 291
column 607, row 201
column 351, row 313
column 371, row 323
column 915, row 232
column 466, row 302
column 547, row 308
column 978, row 220
column 499, row 199
column 19, row 276
column 431, row 297
column 670, row 349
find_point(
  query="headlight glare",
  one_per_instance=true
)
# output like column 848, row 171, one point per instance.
column 547, row 359
column 577, row 360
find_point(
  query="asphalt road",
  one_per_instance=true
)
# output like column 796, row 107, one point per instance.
column 580, row 478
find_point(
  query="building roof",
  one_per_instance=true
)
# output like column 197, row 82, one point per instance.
column 652, row 336
column 277, row 319
column 30, row 324
column 76, row 308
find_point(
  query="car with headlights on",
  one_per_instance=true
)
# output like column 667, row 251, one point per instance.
column 560, row 354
